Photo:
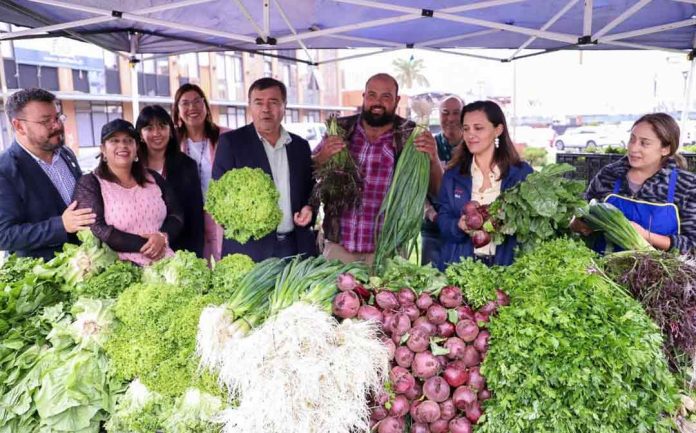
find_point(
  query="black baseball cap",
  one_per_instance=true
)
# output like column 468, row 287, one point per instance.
column 118, row 125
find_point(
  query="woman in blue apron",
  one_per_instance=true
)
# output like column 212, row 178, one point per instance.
column 650, row 186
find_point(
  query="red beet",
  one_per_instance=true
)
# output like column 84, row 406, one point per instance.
column 451, row 297
column 467, row 330
column 455, row 376
column 445, row 330
column 346, row 305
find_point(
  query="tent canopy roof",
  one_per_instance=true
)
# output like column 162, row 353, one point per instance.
column 167, row 27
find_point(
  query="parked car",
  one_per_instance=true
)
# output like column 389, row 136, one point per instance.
column 310, row 131
column 543, row 138
column 584, row 137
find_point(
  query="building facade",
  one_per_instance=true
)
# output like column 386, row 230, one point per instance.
column 94, row 86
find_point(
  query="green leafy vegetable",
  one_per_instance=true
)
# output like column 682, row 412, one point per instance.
column 573, row 352
column 245, row 202
column 228, row 273
column 182, row 269
column 110, row 283
column 399, row 273
column 618, row 230
column 156, row 337
column 477, row 281
column 538, row 208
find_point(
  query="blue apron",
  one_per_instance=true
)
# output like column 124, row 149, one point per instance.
column 659, row 218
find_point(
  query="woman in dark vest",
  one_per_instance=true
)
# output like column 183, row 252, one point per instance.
column 650, row 186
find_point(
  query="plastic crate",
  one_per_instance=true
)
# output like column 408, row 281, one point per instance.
column 588, row 164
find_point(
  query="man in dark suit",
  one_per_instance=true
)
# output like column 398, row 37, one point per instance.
column 37, row 180
column 286, row 158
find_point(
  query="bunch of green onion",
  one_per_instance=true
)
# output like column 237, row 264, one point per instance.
column 616, row 228
column 402, row 207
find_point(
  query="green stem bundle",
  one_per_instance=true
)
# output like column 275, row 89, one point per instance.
column 402, row 208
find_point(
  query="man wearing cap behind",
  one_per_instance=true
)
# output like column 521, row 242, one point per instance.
column 37, row 180
column 136, row 210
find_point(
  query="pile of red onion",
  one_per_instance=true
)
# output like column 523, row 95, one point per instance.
column 437, row 347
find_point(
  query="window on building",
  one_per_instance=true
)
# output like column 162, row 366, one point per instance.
column 111, row 72
column 154, row 78
column 292, row 115
column 267, row 68
column 45, row 77
column 11, row 73
column 6, row 47
column 229, row 77
column 312, row 116
column 232, row 117
column 90, row 117
column 188, row 67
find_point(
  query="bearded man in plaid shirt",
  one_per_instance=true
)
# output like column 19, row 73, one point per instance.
column 374, row 138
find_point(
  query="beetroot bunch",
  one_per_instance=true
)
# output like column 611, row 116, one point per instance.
column 475, row 217
column 437, row 347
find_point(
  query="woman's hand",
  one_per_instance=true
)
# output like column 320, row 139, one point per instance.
column 660, row 242
column 155, row 247
column 462, row 223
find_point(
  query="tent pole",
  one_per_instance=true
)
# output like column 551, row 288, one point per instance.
column 135, row 93
column 686, row 108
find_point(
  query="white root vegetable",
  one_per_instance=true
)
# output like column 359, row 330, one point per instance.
column 303, row 372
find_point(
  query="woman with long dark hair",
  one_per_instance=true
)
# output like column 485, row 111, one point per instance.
column 198, row 136
column 136, row 211
column 160, row 152
column 480, row 170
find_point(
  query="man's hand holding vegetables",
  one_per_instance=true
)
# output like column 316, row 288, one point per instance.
column 374, row 138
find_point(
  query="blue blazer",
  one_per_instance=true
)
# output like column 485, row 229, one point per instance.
column 30, row 206
column 455, row 192
column 243, row 148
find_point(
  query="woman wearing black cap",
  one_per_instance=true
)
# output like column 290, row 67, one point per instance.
column 136, row 210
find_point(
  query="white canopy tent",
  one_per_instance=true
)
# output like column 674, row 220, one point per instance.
column 173, row 27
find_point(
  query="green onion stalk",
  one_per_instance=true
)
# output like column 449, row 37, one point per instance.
column 311, row 280
column 613, row 223
column 402, row 208
column 339, row 185
column 249, row 303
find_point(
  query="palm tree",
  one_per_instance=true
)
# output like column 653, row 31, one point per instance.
column 409, row 72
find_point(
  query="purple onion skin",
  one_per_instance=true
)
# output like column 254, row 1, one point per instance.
column 423, row 322
column 459, row 425
column 402, row 379
column 447, row 410
column 391, row 424
column 403, row 356
column 455, row 376
column 467, row 330
column 418, row 427
column 473, row 412
column 346, row 281
column 476, row 380
column 428, row 411
column 400, row 325
column 391, row 347
column 387, row 300
column 484, row 395
column 415, row 392
column 465, row 312
column 379, row 413
column 411, row 311
column 502, row 298
column 456, row 348
column 424, row 301
column 490, row 308
column 368, row 312
column 463, row 396
column 451, row 297
column 406, row 297
column 439, row 426
column 436, row 314
column 436, row 389
column 472, row 358
column 481, row 341
column 418, row 340
column 425, row 365
column 399, row 407
column 346, row 304
column 445, row 330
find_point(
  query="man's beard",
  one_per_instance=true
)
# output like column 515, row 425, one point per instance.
column 377, row 120
column 48, row 146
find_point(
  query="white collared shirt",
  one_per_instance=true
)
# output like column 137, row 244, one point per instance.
column 280, row 168
column 487, row 196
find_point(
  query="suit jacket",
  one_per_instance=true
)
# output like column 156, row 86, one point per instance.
column 243, row 148
column 182, row 176
column 30, row 205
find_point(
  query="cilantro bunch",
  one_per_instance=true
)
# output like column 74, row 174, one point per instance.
column 477, row 281
column 573, row 352
column 245, row 202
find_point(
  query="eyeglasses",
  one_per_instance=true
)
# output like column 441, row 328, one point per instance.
column 60, row 119
column 188, row 104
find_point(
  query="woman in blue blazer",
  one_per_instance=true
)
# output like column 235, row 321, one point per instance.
column 487, row 165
